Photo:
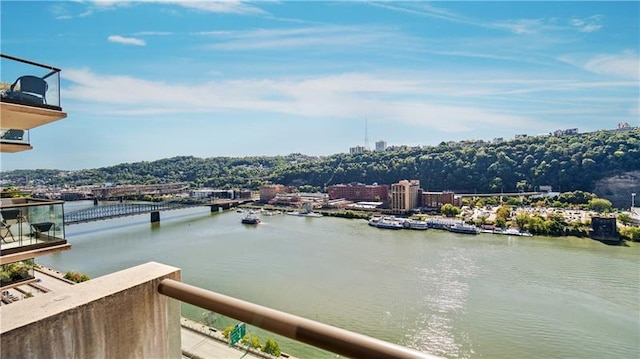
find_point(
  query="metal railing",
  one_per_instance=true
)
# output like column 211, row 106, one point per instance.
column 324, row 336
column 15, row 68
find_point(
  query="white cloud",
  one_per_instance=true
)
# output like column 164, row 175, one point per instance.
column 296, row 37
column 622, row 65
column 126, row 40
column 153, row 33
column 405, row 100
column 223, row 6
column 589, row 24
column 625, row 65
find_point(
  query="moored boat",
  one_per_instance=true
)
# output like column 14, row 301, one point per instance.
column 463, row 228
column 389, row 223
column 305, row 214
column 416, row 224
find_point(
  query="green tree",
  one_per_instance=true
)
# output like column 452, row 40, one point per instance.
column 522, row 219
column 600, row 204
column 503, row 212
column 450, row 210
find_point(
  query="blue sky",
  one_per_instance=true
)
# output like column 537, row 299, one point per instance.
column 147, row 80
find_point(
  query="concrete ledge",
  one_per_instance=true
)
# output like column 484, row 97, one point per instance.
column 115, row 316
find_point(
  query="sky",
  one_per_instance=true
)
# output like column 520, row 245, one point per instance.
column 146, row 80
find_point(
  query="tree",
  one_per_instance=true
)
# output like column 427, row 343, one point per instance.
column 450, row 210
column 600, row 204
column 503, row 212
column 522, row 219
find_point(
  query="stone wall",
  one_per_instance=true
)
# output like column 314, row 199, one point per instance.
column 120, row 315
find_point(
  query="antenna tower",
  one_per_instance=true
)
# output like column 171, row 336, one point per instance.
column 366, row 134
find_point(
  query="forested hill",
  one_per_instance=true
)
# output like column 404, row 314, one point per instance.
column 571, row 162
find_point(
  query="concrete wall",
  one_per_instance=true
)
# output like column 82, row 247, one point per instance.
column 120, row 315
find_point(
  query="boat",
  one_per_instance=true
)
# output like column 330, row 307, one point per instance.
column 386, row 223
column 463, row 228
column 304, row 214
column 373, row 221
column 515, row 232
column 416, row 224
column 250, row 219
column 307, row 211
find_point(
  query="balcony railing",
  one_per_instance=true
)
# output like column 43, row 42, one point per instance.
column 14, row 140
column 324, row 336
column 29, row 83
column 30, row 227
column 29, row 97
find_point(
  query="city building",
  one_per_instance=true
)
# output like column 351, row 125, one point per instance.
column 359, row 192
column 202, row 193
column 269, row 191
column 381, row 145
column 356, row 150
column 437, row 199
column 405, row 196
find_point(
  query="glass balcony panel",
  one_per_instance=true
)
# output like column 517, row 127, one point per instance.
column 12, row 135
column 29, row 224
column 28, row 83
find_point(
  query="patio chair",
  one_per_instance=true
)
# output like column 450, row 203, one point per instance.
column 9, row 217
column 5, row 231
column 28, row 88
column 12, row 135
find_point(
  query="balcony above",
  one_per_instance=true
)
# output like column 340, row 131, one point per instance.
column 29, row 97
column 30, row 228
column 25, row 117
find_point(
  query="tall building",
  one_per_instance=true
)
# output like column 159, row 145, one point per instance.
column 381, row 145
column 405, row 195
column 359, row 192
column 269, row 191
column 437, row 199
column 356, row 149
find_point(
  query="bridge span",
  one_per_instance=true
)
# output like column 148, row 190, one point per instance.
column 103, row 212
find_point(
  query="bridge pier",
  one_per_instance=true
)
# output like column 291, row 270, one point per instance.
column 155, row 217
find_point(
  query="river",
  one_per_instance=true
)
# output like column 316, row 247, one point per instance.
column 454, row 295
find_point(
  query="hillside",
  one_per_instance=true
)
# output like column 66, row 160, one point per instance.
column 572, row 162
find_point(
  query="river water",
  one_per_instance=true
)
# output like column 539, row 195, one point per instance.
column 454, row 295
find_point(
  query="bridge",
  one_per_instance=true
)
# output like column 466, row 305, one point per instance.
column 98, row 213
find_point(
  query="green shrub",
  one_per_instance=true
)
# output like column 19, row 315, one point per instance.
column 272, row 347
column 76, row 277
column 255, row 341
column 227, row 330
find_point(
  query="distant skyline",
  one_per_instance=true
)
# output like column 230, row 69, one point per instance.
column 145, row 80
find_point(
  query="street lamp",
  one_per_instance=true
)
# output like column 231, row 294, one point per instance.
column 633, row 200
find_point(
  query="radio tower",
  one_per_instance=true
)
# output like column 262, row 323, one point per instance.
column 366, row 134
